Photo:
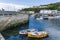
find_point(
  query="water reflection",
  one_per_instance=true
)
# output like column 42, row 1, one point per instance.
column 33, row 23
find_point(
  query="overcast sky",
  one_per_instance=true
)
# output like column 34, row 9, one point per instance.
column 19, row 4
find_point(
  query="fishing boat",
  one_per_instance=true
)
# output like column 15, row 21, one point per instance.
column 37, row 34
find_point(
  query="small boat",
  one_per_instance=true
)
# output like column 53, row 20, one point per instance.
column 25, row 32
column 39, row 18
column 37, row 35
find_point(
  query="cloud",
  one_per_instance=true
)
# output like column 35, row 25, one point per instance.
column 12, row 7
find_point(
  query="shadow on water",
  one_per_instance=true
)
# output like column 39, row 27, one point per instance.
column 33, row 23
column 13, row 33
column 34, row 39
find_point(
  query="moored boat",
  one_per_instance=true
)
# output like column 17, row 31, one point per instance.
column 25, row 32
column 37, row 34
column 33, row 33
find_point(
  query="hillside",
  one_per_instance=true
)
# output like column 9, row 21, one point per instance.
column 52, row 6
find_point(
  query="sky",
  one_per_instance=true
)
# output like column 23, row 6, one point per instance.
column 19, row 4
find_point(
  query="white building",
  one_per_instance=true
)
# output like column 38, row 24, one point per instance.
column 41, row 6
column 48, row 12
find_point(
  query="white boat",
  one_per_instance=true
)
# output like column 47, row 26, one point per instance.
column 39, row 18
column 25, row 32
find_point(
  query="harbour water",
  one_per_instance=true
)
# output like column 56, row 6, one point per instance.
column 50, row 26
